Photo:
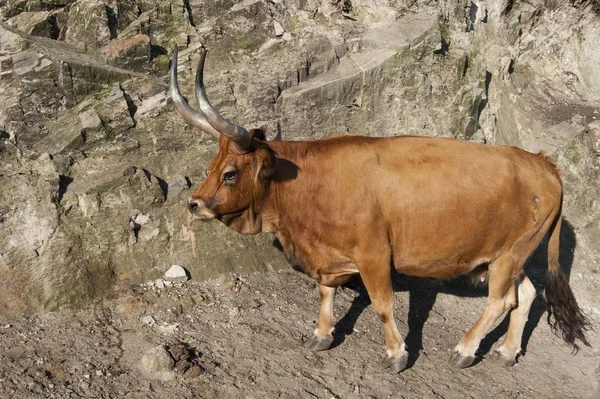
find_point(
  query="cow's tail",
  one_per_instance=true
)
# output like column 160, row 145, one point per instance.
column 564, row 314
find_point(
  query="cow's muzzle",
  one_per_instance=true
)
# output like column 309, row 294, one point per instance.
column 200, row 210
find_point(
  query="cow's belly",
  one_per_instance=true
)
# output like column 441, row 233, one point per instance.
column 328, row 264
column 440, row 269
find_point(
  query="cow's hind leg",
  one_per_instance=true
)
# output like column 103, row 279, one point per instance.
column 323, row 335
column 501, row 298
column 378, row 282
column 511, row 346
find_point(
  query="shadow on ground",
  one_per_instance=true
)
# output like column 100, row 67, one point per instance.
column 423, row 294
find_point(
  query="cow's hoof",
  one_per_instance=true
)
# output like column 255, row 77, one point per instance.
column 318, row 344
column 460, row 361
column 504, row 360
column 397, row 364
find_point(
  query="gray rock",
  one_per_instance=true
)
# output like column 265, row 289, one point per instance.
column 142, row 219
column 152, row 106
column 40, row 23
column 148, row 231
column 278, row 29
column 176, row 273
column 65, row 134
column 88, row 25
column 90, row 121
column 149, row 320
column 158, row 364
column 594, row 128
column 132, row 52
column 177, row 190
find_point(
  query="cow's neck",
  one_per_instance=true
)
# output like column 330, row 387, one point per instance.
column 284, row 191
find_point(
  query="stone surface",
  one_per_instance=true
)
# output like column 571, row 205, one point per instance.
column 133, row 52
column 149, row 320
column 89, row 138
column 40, row 23
column 88, row 25
column 176, row 273
column 247, row 342
column 89, row 120
column 158, row 364
column 279, row 31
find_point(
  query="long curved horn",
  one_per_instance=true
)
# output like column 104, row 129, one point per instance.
column 189, row 114
column 237, row 134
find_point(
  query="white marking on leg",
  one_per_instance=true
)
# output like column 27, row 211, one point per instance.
column 511, row 346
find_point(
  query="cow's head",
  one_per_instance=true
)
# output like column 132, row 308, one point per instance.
column 239, row 174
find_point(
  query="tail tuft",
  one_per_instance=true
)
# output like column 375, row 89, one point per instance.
column 564, row 314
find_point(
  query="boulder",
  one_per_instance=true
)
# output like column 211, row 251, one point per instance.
column 39, row 23
column 176, row 273
column 132, row 53
column 88, row 27
column 157, row 364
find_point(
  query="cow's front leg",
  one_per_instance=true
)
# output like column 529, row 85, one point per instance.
column 323, row 335
column 378, row 282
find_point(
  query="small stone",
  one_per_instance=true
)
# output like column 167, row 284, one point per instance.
column 149, row 320
column 142, row 219
column 178, row 351
column 7, row 326
column 193, row 372
column 99, row 373
column 148, row 232
column 86, row 376
column 169, row 329
column 159, row 284
column 577, row 120
column 278, row 29
column 158, row 364
column 90, row 120
column 176, row 273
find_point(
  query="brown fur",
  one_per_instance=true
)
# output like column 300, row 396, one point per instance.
column 437, row 207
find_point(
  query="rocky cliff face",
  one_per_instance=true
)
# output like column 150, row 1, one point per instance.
column 96, row 165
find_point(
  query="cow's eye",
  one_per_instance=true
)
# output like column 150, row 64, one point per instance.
column 229, row 176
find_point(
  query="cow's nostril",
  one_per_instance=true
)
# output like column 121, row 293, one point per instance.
column 193, row 206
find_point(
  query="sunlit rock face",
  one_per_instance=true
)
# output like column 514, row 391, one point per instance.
column 90, row 144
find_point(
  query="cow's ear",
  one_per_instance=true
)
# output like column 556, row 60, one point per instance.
column 258, row 134
column 264, row 163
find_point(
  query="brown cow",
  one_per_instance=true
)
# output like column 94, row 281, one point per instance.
column 431, row 207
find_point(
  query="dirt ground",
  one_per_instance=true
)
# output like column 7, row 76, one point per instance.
column 245, row 336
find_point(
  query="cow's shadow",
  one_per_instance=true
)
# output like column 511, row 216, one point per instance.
column 423, row 293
